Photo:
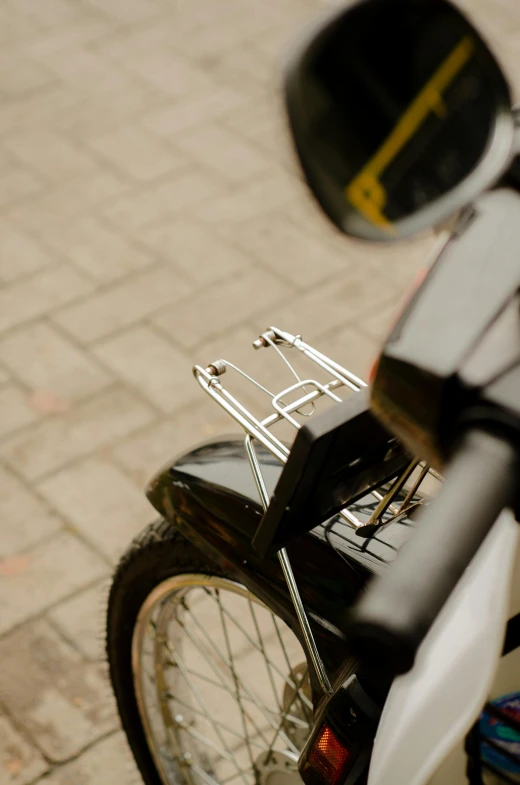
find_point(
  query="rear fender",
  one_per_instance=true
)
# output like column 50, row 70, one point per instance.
column 210, row 495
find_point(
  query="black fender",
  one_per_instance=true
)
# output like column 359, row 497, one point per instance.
column 210, row 495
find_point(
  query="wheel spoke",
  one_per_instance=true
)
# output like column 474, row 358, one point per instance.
column 266, row 659
column 216, row 672
column 235, row 679
column 248, row 692
column 228, row 755
column 210, row 709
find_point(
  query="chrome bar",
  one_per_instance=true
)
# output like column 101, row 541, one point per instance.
column 392, row 493
column 285, row 563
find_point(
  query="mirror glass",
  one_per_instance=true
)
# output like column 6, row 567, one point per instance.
column 393, row 104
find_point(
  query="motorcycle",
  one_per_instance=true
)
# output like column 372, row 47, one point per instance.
column 255, row 632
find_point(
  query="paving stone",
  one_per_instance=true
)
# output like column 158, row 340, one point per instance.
column 19, row 74
column 16, row 409
column 97, row 249
column 351, row 348
column 109, row 762
column 161, row 201
column 71, row 33
column 194, row 110
column 197, row 251
column 289, row 251
column 20, row 762
column 19, row 254
column 54, row 442
column 82, row 620
column 48, row 12
column 246, row 69
column 17, row 183
column 217, row 37
column 264, row 124
column 49, row 153
column 47, row 213
column 4, row 376
column 137, row 153
column 146, row 452
column 265, row 194
column 47, row 362
column 101, row 112
column 85, row 71
column 169, row 72
column 100, row 502
column 151, row 364
column 45, row 574
column 41, row 106
column 63, row 702
column 127, row 11
column 377, row 324
column 29, row 298
column 16, row 26
column 223, row 152
column 123, row 304
column 237, row 299
column 24, row 518
column 343, row 300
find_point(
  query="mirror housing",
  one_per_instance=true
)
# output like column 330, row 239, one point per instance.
column 400, row 116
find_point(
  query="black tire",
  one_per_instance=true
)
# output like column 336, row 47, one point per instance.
column 157, row 553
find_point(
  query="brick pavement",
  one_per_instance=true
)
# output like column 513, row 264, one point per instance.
column 150, row 217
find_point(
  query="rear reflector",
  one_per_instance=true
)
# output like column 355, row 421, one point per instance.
column 328, row 756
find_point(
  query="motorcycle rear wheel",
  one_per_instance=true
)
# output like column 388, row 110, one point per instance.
column 212, row 688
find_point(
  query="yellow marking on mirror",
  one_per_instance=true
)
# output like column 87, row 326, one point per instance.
column 365, row 192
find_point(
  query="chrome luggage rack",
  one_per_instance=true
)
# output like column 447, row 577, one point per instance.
column 292, row 405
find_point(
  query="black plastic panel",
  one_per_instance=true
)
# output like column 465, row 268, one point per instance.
column 337, row 458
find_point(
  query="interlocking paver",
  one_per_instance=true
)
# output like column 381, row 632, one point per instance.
column 149, row 362
column 45, row 361
column 143, row 454
column 138, row 153
column 194, row 110
column 93, row 424
column 61, row 716
column 100, row 502
column 53, row 207
column 108, row 763
column 265, row 194
column 288, row 250
column 19, row 254
column 97, row 249
column 151, row 216
column 16, row 409
column 123, row 303
column 223, row 152
column 161, row 201
column 20, row 762
column 24, row 518
column 32, row 297
column 217, row 311
column 197, row 251
column 49, row 153
column 81, row 620
column 17, row 183
column 168, row 71
column 43, row 575
column 20, row 74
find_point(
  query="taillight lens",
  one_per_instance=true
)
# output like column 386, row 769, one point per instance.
column 328, row 756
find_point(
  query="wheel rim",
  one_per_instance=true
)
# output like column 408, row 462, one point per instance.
column 221, row 685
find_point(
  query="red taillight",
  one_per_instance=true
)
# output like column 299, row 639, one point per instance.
column 328, row 756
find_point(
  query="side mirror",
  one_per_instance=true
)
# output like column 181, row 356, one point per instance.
column 400, row 116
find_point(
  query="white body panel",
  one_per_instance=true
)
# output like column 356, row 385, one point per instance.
column 430, row 709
